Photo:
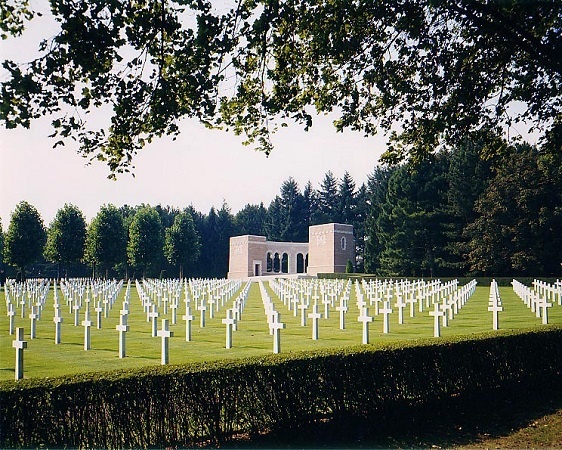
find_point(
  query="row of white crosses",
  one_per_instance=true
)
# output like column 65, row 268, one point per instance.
column 204, row 295
column 407, row 293
column 308, row 294
column 536, row 298
column 79, row 294
column 446, row 299
column 495, row 304
column 296, row 293
column 30, row 297
column 234, row 314
column 550, row 292
column 273, row 318
column 451, row 306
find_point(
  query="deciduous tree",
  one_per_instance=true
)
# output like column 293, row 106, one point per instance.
column 182, row 245
column 25, row 237
column 66, row 237
column 106, row 240
column 146, row 239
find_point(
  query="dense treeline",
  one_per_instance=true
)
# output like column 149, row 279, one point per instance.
column 454, row 214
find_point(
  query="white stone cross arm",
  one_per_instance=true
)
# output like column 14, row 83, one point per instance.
column 19, row 344
column 165, row 333
column 276, row 326
column 495, row 309
column 436, row 313
column 229, row 321
column 365, row 319
column 122, row 328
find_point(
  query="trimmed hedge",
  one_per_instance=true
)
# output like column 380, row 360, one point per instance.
column 207, row 404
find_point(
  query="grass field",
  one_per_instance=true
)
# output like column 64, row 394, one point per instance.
column 45, row 359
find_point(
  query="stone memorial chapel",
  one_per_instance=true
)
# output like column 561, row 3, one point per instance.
column 329, row 248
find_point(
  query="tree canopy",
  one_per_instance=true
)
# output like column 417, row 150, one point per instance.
column 427, row 74
column 181, row 244
column 25, row 237
column 66, row 236
column 146, row 238
column 106, row 239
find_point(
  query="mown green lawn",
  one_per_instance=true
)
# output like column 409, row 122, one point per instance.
column 45, row 359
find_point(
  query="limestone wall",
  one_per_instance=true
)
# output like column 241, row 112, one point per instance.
column 245, row 252
column 330, row 247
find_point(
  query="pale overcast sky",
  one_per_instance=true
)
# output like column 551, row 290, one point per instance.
column 202, row 167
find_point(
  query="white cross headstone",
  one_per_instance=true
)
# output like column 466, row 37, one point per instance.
column 58, row 321
column 202, row 308
column 445, row 309
column 165, row 334
column 211, row 308
column 19, row 344
column 38, row 309
column 544, row 305
column 389, row 295
column 326, row 308
column 303, row 307
column 365, row 319
column 295, row 301
column 174, row 308
column 276, row 326
column 122, row 328
column 76, row 309
column 11, row 315
column 436, row 313
column 342, row 309
column 411, row 300
column 33, row 317
column 236, row 314
column 315, row 316
column 386, row 311
column 106, row 307
column 87, row 323
column 229, row 322
column 22, row 304
column 188, row 318
column 98, row 309
column 154, row 318
column 495, row 309
column 400, row 304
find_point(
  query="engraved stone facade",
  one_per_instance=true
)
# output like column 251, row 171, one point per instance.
column 244, row 250
column 330, row 247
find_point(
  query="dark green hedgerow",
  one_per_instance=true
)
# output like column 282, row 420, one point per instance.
column 210, row 403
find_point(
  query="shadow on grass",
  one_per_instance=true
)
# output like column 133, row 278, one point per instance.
column 463, row 420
